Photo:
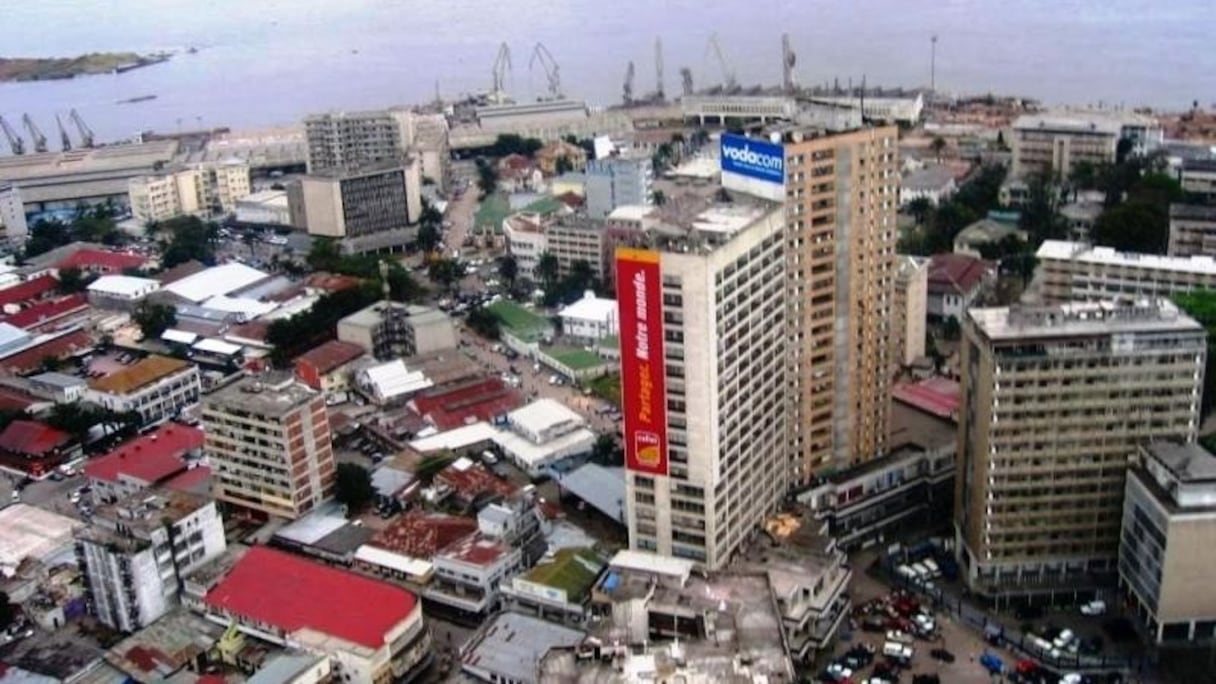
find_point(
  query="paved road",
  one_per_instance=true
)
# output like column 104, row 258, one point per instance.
column 47, row 494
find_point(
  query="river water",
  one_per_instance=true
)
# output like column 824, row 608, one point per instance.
column 269, row 62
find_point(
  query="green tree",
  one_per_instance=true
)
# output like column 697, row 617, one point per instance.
column 189, row 237
column 8, row 611
column 1201, row 305
column 292, row 336
column 547, row 268
column 429, row 238
column 401, row 285
column 446, row 273
column 1084, row 175
column 660, row 198
column 353, row 487
column 487, row 177
column 325, row 254
column 563, row 165
column 73, row 280
column 483, row 322
column 938, row 145
column 607, row 452
column 154, row 319
column 920, row 209
column 1040, row 216
column 951, row 329
column 1141, row 222
column 508, row 270
column 430, row 215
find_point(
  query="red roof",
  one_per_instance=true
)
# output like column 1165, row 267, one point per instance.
column 279, row 589
column 478, row 550
column 957, row 273
column 59, row 347
column 28, row 290
column 190, row 480
column 453, row 406
column 331, row 355
column 938, row 396
column 571, row 199
column 150, row 458
column 101, row 261
column 47, row 311
column 473, row 481
column 253, row 330
column 421, row 535
column 15, row 400
column 31, row 438
column 332, row 282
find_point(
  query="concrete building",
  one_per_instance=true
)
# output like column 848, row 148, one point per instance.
column 157, row 459
column 1055, row 399
column 551, row 156
column 12, row 213
column 156, row 387
column 468, row 575
column 541, row 434
column 591, row 318
column 510, row 647
column 269, row 446
column 120, row 292
column 328, row 368
column 1058, row 141
column 704, row 365
column 1165, row 551
column 385, row 640
column 390, row 330
column 135, row 552
column 617, row 181
column 369, row 209
column 572, row 240
column 347, row 140
column 932, row 183
column 203, row 189
column 955, row 282
column 1192, row 230
column 910, row 310
column 1080, row 272
column 1198, row 178
column 527, row 242
column 268, row 207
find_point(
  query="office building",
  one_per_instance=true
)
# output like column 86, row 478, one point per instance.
column 135, row 551
column 369, row 209
column 203, row 189
column 1057, row 142
column 1198, row 178
column 390, row 330
column 910, row 313
column 346, row 140
column 1192, row 230
column 617, row 181
column 573, row 240
column 1055, row 400
column 269, row 446
column 156, row 387
column 1080, row 272
column 1165, row 551
column 704, row 357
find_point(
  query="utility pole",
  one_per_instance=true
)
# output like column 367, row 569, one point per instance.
column 933, row 64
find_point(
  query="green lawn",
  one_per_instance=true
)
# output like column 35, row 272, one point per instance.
column 492, row 211
column 577, row 359
column 572, row 570
column 544, row 205
column 608, row 388
column 521, row 322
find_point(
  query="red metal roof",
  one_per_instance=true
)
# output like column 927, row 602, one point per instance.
column 190, row 480
column 30, row 289
column 473, row 481
column 102, row 261
column 332, row 282
column 31, row 438
column 956, row 273
column 150, row 458
column 291, row 593
column 453, row 406
column 47, row 311
column 477, row 550
column 15, row 400
column 331, row 355
column 59, row 347
column 938, row 396
column 253, row 330
column 421, row 535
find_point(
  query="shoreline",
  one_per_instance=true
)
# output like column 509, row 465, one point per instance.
column 33, row 69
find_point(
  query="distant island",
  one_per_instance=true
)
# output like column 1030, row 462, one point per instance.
column 52, row 68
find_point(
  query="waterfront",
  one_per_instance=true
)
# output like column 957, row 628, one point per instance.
column 272, row 61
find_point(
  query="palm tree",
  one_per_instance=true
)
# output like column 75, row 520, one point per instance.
column 548, row 269
column 508, row 270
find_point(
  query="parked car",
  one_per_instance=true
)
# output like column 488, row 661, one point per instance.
column 1094, row 608
column 900, row 637
column 942, row 655
column 991, row 662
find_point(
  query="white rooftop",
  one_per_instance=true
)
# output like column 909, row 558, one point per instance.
column 214, row 346
column 542, row 415
column 217, row 280
column 30, row 532
column 276, row 197
column 179, row 336
column 728, row 220
column 591, row 308
column 251, row 308
column 1063, row 250
column 460, row 438
column 653, row 563
column 631, row 212
column 123, row 286
column 1083, row 120
column 393, row 560
column 1081, row 319
column 538, row 456
column 393, row 379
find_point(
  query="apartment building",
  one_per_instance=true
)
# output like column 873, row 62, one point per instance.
column 468, row 577
column 12, row 212
column 156, row 387
column 1057, row 142
column 135, row 551
column 343, row 140
column 1165, row 552
column 200, row 189
column 371, row 208
column 1198, row 178
column 1055, row 399
column 617, row 181
column 527, row 242
column 572, row 240
column 704, row 361
column 268, row 443
column 1080, row 272
column 1192, row 230
column 910, row 310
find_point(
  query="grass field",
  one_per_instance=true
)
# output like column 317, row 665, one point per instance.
column 518, row 320
column 492, row 211
column 608, row 388
column 575, row 358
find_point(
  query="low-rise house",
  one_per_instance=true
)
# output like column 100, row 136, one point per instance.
column 156, row 387
column 551, row 156
column 142, row 462
column 391, row 382
column 468, row 576
column 509, row 649
column 933, row 183
column 559, row 587
column 542, row 434
column 517, row 173
column 120, row 292
column 985, row 234
column 328, row 368
column 36, row 448
column 591, row 318
column 58, row 387
column 955, row 281
column 405, row 548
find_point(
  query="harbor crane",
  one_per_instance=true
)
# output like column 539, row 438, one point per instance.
column 36, row 135
column 502, row 64
column 541, row 54
column 63, row 135
column 658, row 70
column 86, row 133
column 686, row 79
column 628, row 94
column 788, row 59
column 15, row 143
column 728, row 75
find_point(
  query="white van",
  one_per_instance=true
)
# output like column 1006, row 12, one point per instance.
column 931, row 565
column 489, row 458
column 897, row 651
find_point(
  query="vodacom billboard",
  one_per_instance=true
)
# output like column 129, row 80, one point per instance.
column 640, row 299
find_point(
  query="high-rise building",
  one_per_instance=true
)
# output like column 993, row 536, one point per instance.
column 369, row 209
column 268, row 442
column 12, row 213
column 1055, row 399
column 617, row 181
column 342, row 140
column 841, row 192
column 1058, row 141
column 704, row 360
column 911, row 308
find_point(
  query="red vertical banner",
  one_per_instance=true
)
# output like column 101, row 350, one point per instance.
column 643, row 389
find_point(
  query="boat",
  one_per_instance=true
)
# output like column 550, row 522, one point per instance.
column 133, row 100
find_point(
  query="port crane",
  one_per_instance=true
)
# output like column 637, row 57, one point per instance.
column 64, row 139
column 36, row 135
column 728, row 75
column 686, row 79
column 86, row 133
column 788, row 59
column 658, row 69
column 628, row 88
column 541, row 54
column 502, row 64
column 14, row 141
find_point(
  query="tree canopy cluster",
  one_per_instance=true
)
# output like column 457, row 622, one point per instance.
column 1137, row 214
column 184, row 238
column 938, row 226
column 293, row 336
column 565, row 289
column 326, row 255
column 154, row 319
column 88, row 224
column 1201, row 305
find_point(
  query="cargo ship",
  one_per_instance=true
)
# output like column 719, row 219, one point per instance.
column 133, row 100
